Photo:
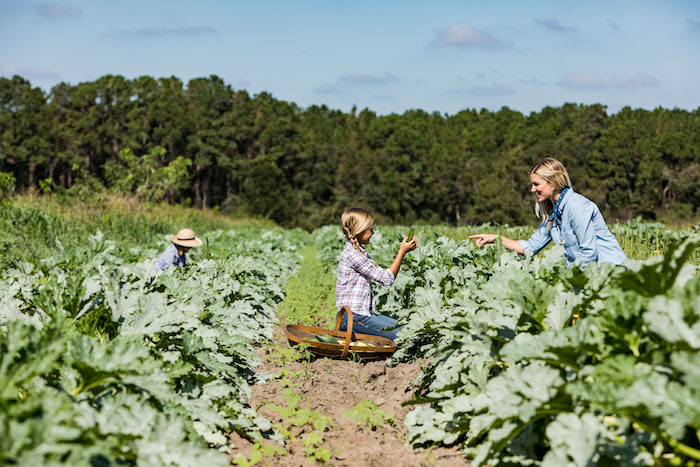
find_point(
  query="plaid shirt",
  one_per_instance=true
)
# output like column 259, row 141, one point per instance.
column 354, row 286
column 169, row 257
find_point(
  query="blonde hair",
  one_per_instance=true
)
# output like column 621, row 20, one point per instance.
column 553, row 172
column 354, row 221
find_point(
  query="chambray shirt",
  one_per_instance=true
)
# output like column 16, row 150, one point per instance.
column 580, row 228
column 354, row 285
column 169, row 257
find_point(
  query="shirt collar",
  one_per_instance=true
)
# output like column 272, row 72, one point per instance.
column 566, row 195
column 555, row 216
column 348, row 244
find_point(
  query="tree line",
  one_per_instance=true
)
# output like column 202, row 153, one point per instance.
column 207, row 144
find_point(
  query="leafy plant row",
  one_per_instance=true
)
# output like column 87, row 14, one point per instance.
column 102, row 364
column 536, row 364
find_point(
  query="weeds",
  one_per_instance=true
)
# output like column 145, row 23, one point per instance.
column 310, row 294
column 368, row 414
column 297, row 421
column 282, row 355
column 32, row 224
column 259, row 453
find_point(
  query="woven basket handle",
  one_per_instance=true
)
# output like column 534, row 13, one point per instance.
column 345, row 310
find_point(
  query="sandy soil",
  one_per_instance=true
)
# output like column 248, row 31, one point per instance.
column 334, row 387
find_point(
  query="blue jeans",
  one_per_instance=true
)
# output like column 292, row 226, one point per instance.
column 372, row 325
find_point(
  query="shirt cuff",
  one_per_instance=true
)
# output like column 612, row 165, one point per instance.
column 388, row 278
column 526, row 248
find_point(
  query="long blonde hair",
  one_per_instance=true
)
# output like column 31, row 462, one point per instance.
column 354, row 221
column 553, row 172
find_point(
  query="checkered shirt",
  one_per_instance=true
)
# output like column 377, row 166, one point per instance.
column 354, row 286
column 169, row 257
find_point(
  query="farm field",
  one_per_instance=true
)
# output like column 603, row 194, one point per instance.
column 103, row 365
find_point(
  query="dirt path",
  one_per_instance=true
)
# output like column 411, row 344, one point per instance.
column 334, row 387
column 309, row 399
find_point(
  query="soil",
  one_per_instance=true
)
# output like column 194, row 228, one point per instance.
column 334, row 387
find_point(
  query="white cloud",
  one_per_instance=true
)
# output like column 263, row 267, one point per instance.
column 327, row 89
column 361, row 79
column 358, row 80
column 465, row 36
column 456, row 91
column 56, row 10
column 182, row 31
column 30, row 73
column 534, row 81
column 492, row 90
column 240, row 83
column 384, row 97
column 638, row 81
column 553, row 25
column 613, row 25
column 581, row 80
column 9, row 69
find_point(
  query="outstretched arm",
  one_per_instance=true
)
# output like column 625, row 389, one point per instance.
column 405, row 247
column 483, row 239
column 535, row 243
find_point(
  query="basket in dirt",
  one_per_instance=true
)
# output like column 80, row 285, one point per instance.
column 364, row 346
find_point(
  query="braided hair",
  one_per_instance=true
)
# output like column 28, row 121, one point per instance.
column 354, row 221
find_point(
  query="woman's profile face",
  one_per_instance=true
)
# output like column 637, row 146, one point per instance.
column 542, row 190
column 364, row 237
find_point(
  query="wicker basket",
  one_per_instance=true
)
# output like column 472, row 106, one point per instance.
column 375, row 347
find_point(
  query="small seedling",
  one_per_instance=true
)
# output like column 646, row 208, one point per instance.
column 259, row 453
column 283, row 355
column 295, row 416
column 314, row 449
column 367, row 413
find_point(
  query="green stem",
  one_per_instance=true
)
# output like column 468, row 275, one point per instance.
column 77, row 390
column 676, row 445
column 539, row 414
column 85, row 386
column 684, row 449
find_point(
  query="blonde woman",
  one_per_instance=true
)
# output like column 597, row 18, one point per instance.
column 356, row 271
column 569, row 219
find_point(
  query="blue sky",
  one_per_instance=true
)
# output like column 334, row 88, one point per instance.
column 388, row 56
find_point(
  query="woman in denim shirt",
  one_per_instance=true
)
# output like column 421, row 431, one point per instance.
column 569, row 219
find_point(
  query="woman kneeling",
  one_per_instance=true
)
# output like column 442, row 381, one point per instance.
column 356, row 271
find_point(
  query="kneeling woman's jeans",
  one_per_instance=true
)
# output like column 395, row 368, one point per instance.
column 372, row 325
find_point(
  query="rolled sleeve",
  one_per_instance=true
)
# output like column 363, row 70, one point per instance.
column 537, row 241
column 584, row 229
column 364, row 266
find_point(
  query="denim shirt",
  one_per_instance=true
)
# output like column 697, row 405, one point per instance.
column 581, row 230
column 169, row 257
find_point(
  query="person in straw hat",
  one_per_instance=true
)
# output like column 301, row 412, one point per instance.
column 175, row 253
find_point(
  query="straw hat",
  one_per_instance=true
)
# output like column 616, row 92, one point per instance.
column 185, row 237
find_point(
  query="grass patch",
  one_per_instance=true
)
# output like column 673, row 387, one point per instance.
column 309, row 294
column 32, row 227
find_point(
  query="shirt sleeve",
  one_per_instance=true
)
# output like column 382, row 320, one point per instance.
column 537, row 241
column 584, row 230
column 364, row 267
column 164, row 260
